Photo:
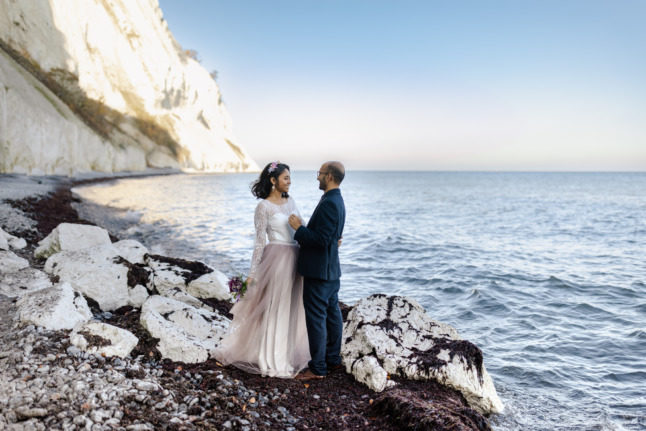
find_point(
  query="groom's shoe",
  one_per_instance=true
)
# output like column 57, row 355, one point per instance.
column 336, row 367
column 308, row 375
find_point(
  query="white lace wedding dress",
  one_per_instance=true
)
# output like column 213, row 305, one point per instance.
column 268, row 335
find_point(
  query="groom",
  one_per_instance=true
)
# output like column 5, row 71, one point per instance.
column 318, row 263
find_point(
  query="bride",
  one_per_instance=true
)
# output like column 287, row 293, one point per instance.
column 268, row 335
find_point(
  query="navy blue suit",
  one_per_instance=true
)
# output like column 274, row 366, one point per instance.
column 318, row 263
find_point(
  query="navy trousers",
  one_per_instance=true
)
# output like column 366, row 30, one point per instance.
column 324, row 323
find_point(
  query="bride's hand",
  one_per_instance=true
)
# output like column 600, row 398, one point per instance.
column 294, row 221
column 249, row 280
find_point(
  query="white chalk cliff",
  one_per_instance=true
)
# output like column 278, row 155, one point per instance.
column 102, row 85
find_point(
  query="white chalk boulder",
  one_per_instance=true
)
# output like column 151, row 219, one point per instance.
column 166, row 276
column 18, row 283
column 131, row 250
column 57, row 307
column 393, row 335
column 71, row 237
column 169, row 273
column 185, row 333
column 11, row 262
column 98, row 272
column 102, row 339
column 212, row 285
column 8, row 241
column 184, row 280
column 137, row 296
column 180, row 295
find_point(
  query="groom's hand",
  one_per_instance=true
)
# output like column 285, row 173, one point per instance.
column 294, row 221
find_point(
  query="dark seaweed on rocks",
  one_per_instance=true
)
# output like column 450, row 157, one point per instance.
column 426, row 409
column 94, row 307
column 466, row 350
column 95, row 340
column 137, row 273
column 222, row 306
column 128, row 318
column 193, row 269
column 48, row 212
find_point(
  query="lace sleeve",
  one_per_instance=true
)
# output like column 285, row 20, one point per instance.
column 260, row 222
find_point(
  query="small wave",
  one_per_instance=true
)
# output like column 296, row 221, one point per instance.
column 641, row 308
column 634, row 377
column 587, row 309
column 639, row 334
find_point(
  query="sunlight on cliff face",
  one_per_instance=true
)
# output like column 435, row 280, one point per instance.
column 141, row 101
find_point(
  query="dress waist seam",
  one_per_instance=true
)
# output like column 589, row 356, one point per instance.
column 275, row 242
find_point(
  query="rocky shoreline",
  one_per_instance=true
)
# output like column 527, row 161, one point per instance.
column 46, row 382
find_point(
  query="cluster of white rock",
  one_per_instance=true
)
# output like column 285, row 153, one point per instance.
column 88, row 265
column 119, row 53
column 392, row 335
column 383, row 335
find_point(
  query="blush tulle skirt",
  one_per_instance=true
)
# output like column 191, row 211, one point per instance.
column 268, row 335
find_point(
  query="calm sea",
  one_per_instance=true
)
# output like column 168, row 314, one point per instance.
column 545, row 272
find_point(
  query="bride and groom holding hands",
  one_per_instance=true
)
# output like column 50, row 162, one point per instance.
column 289, row 323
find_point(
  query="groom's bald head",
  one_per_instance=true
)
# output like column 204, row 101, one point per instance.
column 336, row 169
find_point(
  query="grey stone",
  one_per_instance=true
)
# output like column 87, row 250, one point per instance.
column 23, row 413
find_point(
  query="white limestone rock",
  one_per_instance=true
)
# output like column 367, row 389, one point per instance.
column 394, row 335
column 70, row 237
column 211, row 285
column 26, row 280
column 172, row 278
column 137, row 296
column 368, row 371
column 166, row 277
column 131, row 250
column 10, row 241
column 96, row 272
column 116, row 341
column 185, row 333
column 17, row 243
column 57, row 307
column 180, row 295
column 11, row 262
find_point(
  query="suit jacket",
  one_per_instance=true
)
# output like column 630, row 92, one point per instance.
column 319, row 248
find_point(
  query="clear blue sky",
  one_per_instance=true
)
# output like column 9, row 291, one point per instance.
column 437, row 85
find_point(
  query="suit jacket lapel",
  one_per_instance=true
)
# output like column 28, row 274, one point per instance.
column 313, row 216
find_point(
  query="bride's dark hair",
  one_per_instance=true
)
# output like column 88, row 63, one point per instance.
column 262, row 186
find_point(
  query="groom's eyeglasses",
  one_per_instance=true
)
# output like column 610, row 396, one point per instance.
column 318, row 173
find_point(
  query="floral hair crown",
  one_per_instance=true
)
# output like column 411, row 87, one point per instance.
column 273, row 167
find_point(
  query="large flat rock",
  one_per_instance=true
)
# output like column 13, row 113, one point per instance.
column 57, row 307
column 100, row 273
column 185, row 333
column 71, row 237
